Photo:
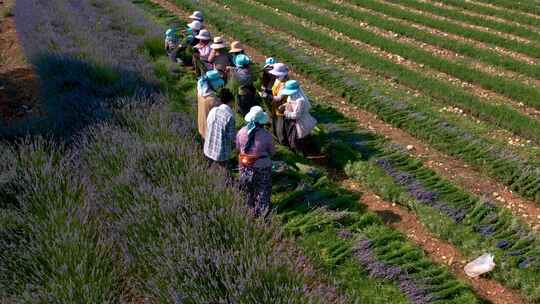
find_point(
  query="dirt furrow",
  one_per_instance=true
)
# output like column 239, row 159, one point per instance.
column 461, row 23
column 515, row 143
column 471, row 88
column 451, row 168
column 503, row 8
column 479, row 15
column 435, row 50
column 509, row 53
column 439, row 251
column 19, row 84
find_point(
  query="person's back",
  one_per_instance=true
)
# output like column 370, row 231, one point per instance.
column 243, row 76
column 262, row 147
column 220, row 133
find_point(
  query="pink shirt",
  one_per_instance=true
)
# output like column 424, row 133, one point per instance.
column 204, row 51
column 263, row 146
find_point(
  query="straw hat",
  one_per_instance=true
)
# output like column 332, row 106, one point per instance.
column 204, row 35
column 279, row 70
column 219, row 43
column 236, row 47
column 197, row 15
column 195, row 25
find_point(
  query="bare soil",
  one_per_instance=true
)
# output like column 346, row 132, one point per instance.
column 19, row 84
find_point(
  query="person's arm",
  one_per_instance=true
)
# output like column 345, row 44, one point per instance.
column 231, row 129
column 297, row 111
column 238, row 140
column 212, row 56
column 271, row 146
column 277, row 99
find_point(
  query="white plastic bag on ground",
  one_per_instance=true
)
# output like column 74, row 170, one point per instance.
column 481, row 265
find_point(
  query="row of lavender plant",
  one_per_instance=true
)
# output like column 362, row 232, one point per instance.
column 455, row 212
column 177, row 240
column 49, row 249
column 151, row 231
column 86, row 54
column 344, row 239
column 522, row 175
column 472, row 225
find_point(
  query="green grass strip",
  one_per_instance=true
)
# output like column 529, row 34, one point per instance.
column 449, row 27
column 518, row 5
column 501, row 115
column 513, row 29
column 484, row 55
column 510, row 88
column 427, row 125
column 504, row 14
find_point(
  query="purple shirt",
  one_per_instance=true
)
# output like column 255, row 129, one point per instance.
column 262, row 146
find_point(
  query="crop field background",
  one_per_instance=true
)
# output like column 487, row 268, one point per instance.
column 429, row 111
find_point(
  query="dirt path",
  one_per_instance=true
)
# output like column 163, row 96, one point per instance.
column 408, row 224
column 19, row 85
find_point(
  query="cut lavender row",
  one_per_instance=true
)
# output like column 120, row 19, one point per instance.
column 381, row 270
column 417, row 190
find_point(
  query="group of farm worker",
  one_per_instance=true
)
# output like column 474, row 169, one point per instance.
column 226, row 81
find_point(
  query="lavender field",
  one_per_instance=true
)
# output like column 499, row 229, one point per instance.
column 427, row 114
column 107, row 201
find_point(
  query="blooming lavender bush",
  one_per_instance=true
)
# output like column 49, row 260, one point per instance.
column 87, row 54
column 125, row 212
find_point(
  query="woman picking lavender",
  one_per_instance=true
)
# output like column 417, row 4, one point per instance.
column 256, row 147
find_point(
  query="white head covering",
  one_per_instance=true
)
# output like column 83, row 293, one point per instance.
column 255, row 116
column 195, row 25
column 204, row 35
column 279, row 70
column 197, row 15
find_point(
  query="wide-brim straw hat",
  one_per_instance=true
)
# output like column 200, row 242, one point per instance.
column 236, row 47
column 219, row 43
column 204, row 35
column 279, row 70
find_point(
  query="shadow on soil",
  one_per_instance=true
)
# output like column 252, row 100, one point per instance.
column 74, row 94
